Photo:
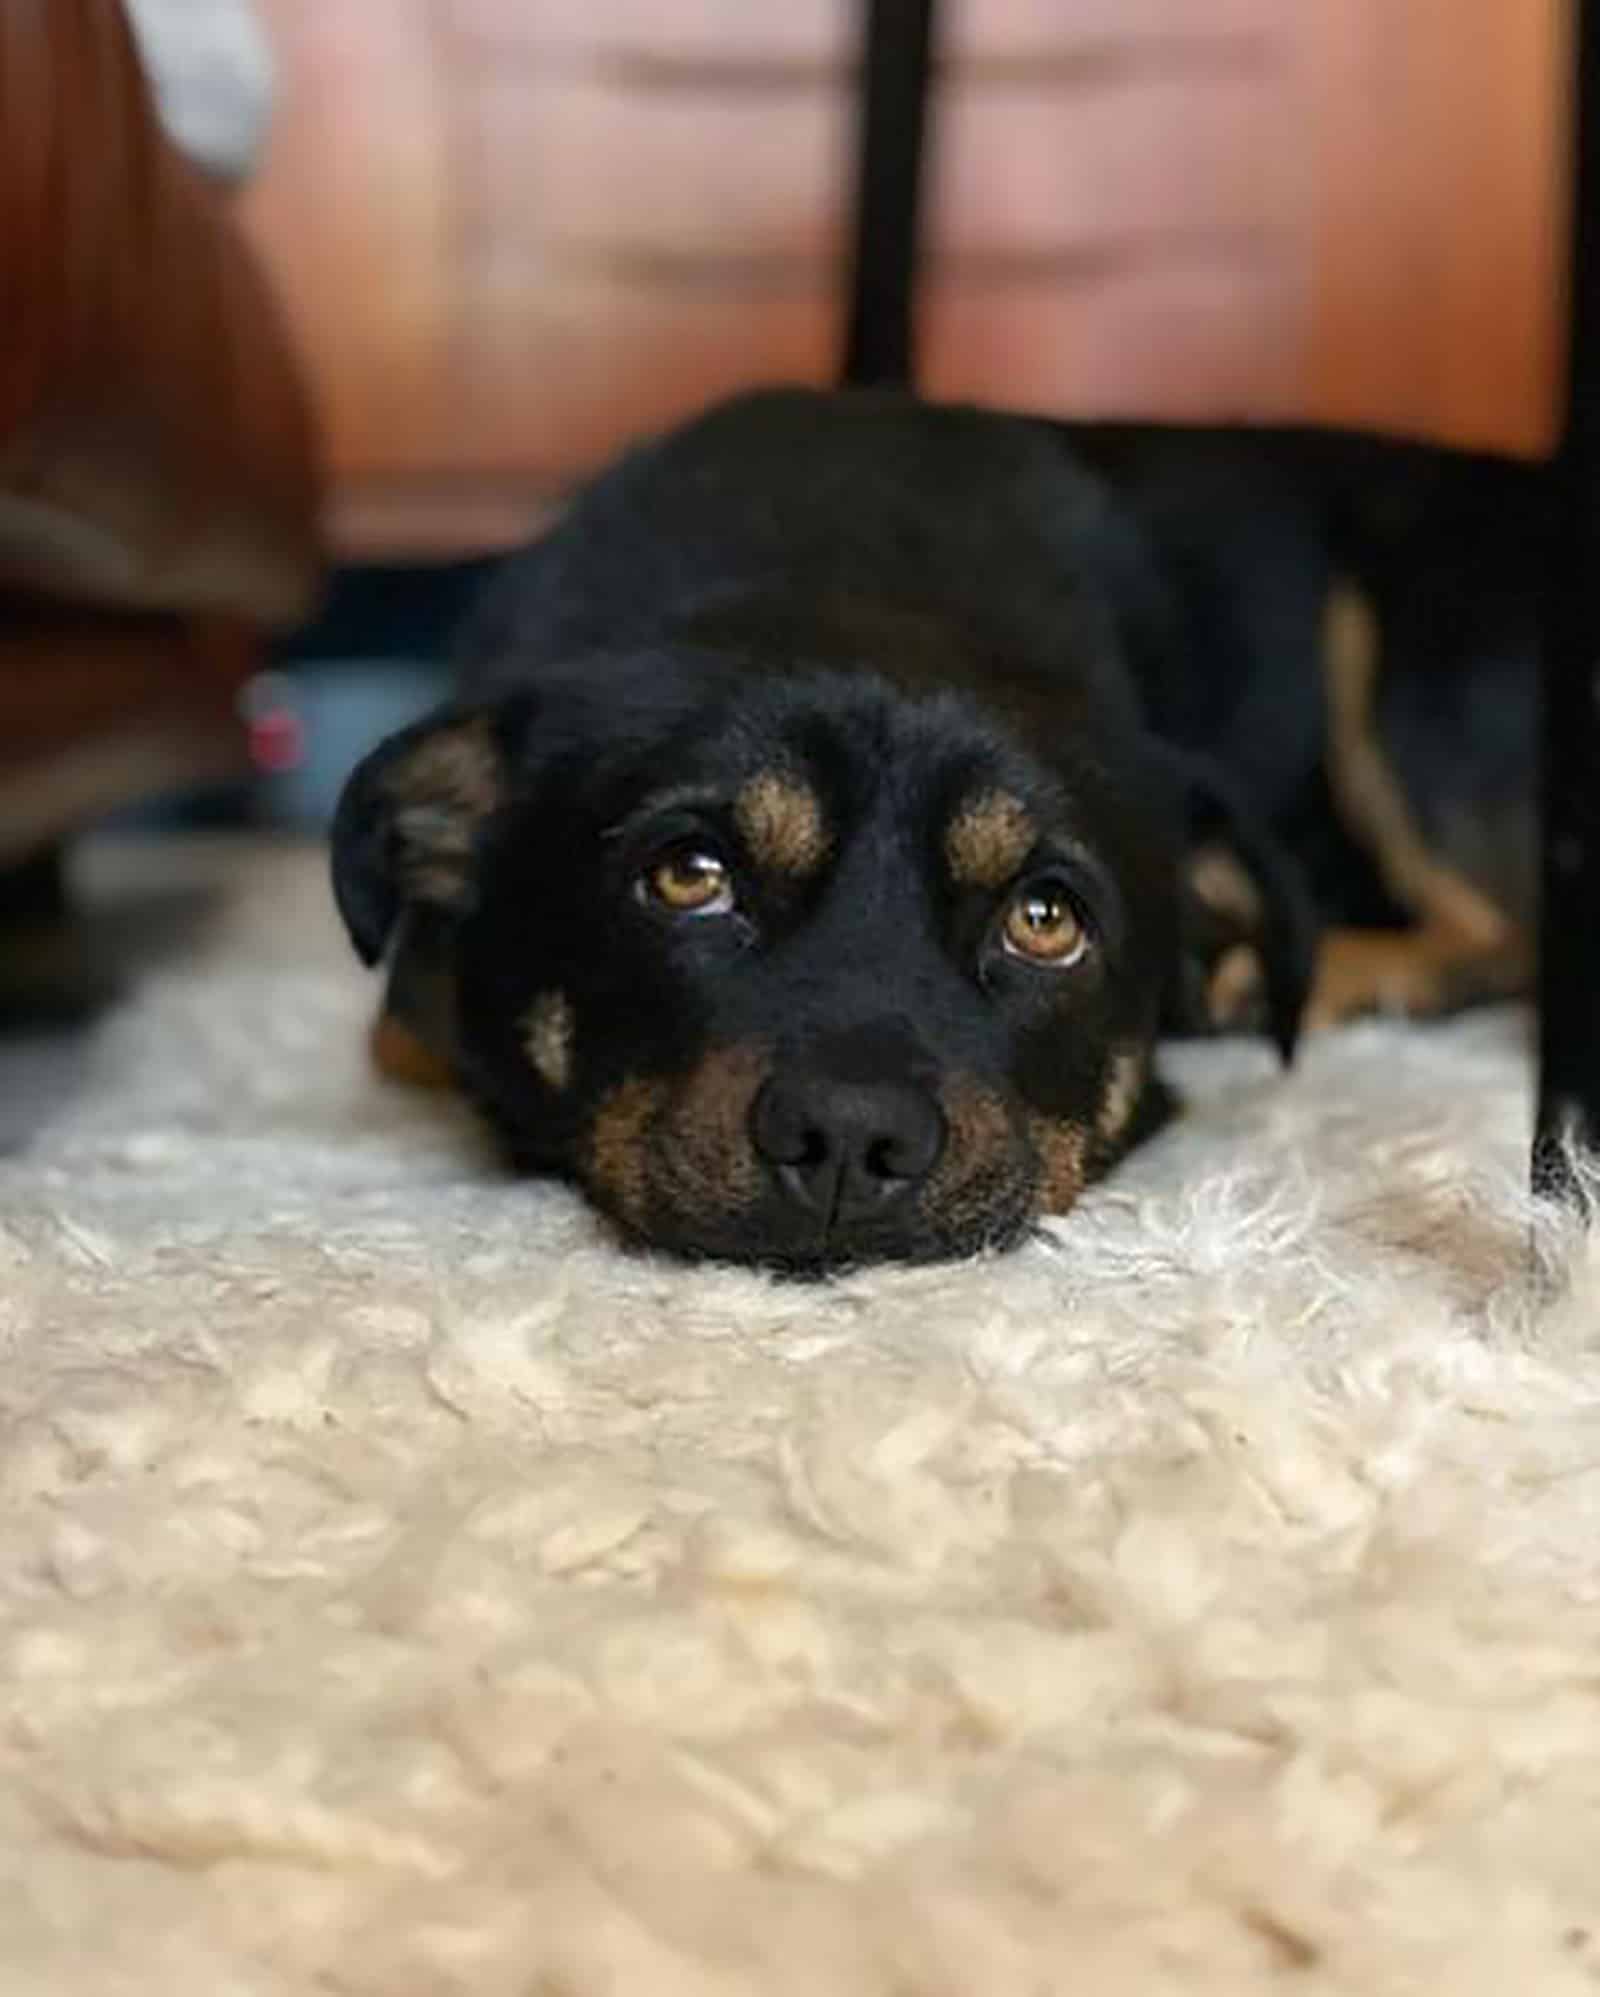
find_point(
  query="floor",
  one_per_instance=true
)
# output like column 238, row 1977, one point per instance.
column 40, row 1073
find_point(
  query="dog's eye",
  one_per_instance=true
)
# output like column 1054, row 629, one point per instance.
column 1042, row 925
column 689, row 881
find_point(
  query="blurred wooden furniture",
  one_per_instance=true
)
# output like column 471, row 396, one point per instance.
column 514, row 233
column 158, row 484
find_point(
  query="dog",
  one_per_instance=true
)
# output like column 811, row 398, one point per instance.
column 813, row 853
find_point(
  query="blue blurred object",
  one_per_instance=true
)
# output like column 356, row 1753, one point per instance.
column 310, row 727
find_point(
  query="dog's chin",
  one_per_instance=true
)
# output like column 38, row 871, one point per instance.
column 741, row 1240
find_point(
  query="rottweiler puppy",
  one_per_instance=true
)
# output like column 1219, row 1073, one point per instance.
column 803, row 868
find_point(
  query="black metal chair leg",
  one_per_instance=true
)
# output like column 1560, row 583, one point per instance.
column 893, row 89
column 1569, row 975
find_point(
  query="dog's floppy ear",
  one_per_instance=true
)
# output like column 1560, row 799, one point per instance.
column 1248, row 933
column 407, row 825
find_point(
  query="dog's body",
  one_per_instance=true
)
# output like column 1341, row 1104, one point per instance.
column 1357, row 647
column 806, row 868
column 1252, row 533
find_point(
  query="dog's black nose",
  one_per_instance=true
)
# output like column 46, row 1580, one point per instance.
column 846, row 1149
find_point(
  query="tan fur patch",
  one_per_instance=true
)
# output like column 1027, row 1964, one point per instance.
column 988, row 840
column 708, row 1159
column 619, row 1145
column 398, row 1053
column 442, row 791
column 981, row 1156
column 458, row 766
column 1463, row 947
column 1234, row 981
column 780, row 820
column 1367, row 791
column 1062, row 1150
column 547, row 1034
column 1124, row 1086
column 687, row 1147
column 1219, row 879
column 1415, row 972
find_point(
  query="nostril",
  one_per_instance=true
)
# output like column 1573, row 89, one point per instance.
column 787, row 1133
column 908, row 1140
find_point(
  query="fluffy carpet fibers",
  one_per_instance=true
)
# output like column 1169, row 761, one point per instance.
column 404, row 1591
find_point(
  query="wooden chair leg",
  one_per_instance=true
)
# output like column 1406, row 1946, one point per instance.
column 1569, row 948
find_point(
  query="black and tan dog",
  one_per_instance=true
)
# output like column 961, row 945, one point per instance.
column 805, row 868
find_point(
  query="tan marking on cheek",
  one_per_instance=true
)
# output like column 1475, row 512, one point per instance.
column 977, row 1129
column 780, row 820
column 619, row 1145
column 1062, row 1150
column 681, row 1147
column 1124, row 1087
column 707, row 1159
column 547, row 1035
column 981, row 1158
column 988, row 840
column 1221, row 881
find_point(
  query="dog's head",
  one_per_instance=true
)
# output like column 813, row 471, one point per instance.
column 793, row 970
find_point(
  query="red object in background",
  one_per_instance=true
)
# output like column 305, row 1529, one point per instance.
column 275, row 732
column 277, row 742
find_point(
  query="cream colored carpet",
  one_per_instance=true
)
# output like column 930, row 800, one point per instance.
column 402, row 1591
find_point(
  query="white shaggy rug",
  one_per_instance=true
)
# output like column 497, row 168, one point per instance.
column 403, row 1593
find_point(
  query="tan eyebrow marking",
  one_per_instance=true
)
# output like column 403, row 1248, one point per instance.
column 988, row 839
column 617, row 1160
column 780, row 820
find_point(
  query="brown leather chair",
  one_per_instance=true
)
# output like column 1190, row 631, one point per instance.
column 159, row 490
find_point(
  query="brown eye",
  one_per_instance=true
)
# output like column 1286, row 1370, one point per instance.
column 1042, row 926
column 689, row 881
